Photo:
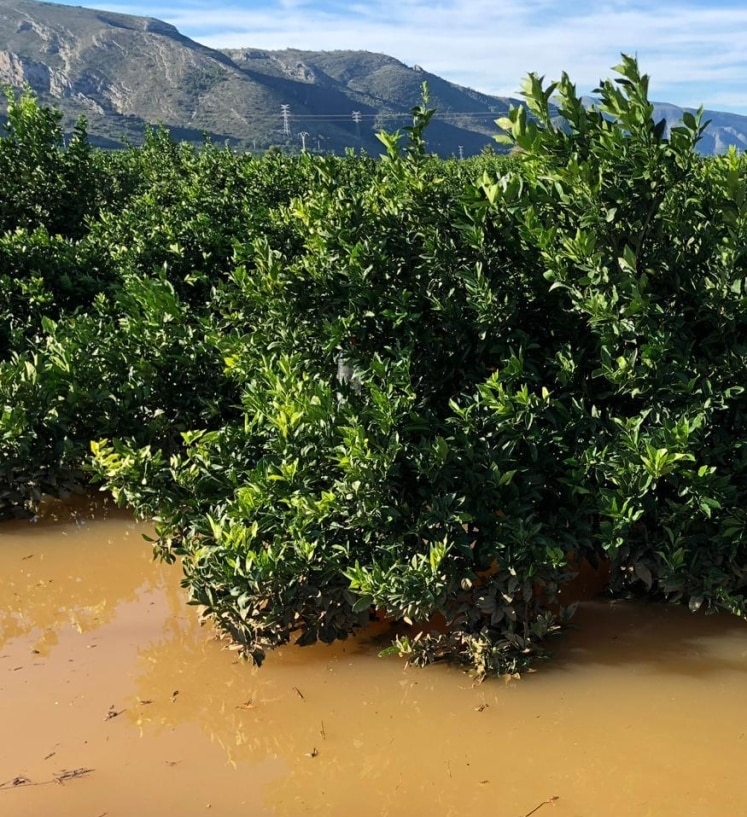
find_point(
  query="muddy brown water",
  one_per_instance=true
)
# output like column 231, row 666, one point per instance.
column 114, row 701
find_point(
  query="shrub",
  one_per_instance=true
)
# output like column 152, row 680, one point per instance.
column 406, row 387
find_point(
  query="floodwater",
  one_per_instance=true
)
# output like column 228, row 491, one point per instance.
column 114, row 701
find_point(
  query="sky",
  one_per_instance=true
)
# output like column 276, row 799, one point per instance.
column 695, row 52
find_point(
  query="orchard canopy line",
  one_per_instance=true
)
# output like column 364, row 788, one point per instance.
column 346, row 387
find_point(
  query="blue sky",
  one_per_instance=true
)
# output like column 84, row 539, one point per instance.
column 695, row 52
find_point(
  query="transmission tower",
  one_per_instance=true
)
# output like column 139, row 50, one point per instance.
column 461, row 151
column 357, row 119
column 285, row 113
column 304, row 135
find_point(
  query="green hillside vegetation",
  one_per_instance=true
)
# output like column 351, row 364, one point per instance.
column 425, row 389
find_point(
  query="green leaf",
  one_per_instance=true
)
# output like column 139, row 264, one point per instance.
column 363, row 603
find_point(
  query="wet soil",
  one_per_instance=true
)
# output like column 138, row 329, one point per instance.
column 114, row 701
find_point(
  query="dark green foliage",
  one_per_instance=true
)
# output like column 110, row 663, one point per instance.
column 45, row 275
column 138, row 366
column 397, row 488
column 51, row 191
column 640, row 236
column 45, row 182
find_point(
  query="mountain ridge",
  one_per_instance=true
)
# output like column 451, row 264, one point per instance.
column 124, row 72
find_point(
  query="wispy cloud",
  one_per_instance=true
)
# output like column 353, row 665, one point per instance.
column 693, row 51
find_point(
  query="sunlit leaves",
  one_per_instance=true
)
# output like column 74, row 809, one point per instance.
column 405, row 387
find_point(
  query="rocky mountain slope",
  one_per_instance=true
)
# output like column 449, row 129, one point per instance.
column 122, row 71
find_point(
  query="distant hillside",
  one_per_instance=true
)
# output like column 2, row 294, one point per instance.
column 381, row 89
column 122, row 72
column 726, row 129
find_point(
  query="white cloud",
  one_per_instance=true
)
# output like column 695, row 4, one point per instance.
column 693, row 53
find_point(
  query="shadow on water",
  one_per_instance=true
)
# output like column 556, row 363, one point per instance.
column 61, row 516
column 656, row 637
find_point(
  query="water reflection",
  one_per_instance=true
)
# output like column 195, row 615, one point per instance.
column 344, row 721
column 69, row 568
column 276, row 710
column 627, row 684
column 341, row 720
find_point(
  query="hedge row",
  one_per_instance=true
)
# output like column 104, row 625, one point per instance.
column 344, row 386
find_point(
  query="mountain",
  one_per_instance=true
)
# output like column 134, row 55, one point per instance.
column 331, row 86
column 724, row 131
column 122, row 72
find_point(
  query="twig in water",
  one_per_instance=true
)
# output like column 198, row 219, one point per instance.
column 71, row 774
column 60, row 778
column 16, row 781
column 549, row 801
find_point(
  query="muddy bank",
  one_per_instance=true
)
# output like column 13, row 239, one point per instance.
column 104, row 670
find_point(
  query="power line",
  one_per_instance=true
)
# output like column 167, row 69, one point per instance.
column 384, row 115
column 403, row 115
